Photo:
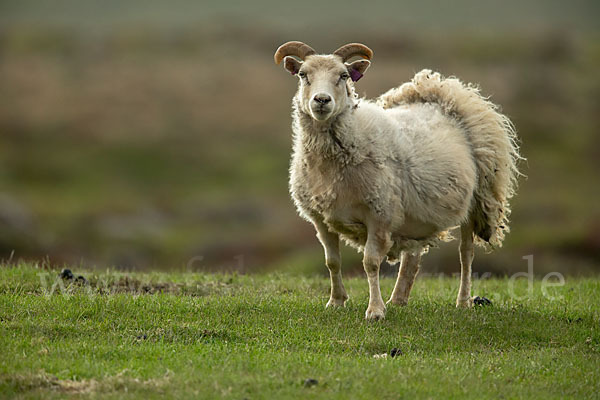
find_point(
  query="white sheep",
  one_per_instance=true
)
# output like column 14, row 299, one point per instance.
column 392, row 177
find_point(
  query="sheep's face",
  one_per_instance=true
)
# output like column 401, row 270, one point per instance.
column 325, row 83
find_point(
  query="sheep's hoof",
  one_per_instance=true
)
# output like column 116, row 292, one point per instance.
column 335, row 303
column 473, row 301
column 375, row 314
column 398, row 302
column 464, row 303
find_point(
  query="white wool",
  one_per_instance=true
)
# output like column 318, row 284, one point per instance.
column 491, row 136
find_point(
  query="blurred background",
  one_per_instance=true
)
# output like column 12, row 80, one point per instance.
column 145, row 134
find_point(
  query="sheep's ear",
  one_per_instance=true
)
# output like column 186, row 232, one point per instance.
column 292, row 65
column 357, row 69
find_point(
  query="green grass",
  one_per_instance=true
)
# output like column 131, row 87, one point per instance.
column 261, row 336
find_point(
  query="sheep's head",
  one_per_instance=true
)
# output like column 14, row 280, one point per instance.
column 325, row 87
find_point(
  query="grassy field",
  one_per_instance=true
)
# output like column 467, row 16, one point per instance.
column 263, row 336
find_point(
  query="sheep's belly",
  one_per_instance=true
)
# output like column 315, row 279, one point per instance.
column 411, row 235
column 354, row 233
column 413, row 229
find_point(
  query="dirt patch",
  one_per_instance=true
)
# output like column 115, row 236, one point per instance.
column 61, row 283
column 71, row 386
column 119, row 382
column 132, row 285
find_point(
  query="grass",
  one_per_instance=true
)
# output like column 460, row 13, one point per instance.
column 262, row 336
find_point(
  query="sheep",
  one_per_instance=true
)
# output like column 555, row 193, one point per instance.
column 392, row 177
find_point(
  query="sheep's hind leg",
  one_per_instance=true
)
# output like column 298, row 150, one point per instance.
column 377, row 246
column 333, row 260
column 466, row 249
column 409, row 267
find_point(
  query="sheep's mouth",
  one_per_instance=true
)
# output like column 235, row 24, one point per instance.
column 321, row 112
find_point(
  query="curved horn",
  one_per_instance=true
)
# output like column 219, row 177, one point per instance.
column 297, row 49
column 354, row 49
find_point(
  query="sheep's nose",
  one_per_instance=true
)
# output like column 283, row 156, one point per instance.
column 322, row 98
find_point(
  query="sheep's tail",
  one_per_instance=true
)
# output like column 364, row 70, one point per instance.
column 492, row 137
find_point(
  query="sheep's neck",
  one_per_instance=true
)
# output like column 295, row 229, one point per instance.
column 329, row 139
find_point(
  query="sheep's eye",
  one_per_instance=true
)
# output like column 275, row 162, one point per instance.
column 302, row 74
column 344, row 76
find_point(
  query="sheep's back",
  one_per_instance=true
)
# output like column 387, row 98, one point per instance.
column 435, row 163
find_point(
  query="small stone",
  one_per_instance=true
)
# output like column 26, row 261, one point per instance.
column 310, row 382
column 395, row 352
column 81, row 279
column 66, row 274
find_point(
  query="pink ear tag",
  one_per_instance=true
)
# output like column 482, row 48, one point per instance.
column 355, row 75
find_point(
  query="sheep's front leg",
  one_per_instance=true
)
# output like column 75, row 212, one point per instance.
column 333, row 260
column 377, row 246
column 409, row 267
